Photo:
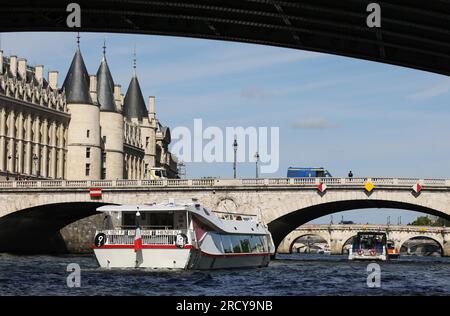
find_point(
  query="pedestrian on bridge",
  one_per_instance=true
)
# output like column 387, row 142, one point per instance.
column 350, row 174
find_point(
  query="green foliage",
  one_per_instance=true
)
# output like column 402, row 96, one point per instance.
column 422, row 221
column 426, row 221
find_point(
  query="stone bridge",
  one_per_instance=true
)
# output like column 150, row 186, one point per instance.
column 32, row 213
column 338, row 235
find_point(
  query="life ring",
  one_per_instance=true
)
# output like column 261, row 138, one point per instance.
column 100, row 240
column 360, row 252
column 373, row 252
column 181, row 240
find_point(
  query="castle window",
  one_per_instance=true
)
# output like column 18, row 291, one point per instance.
column 104, row 139
column 104, row 173
column 88, row 152
column 147, row 140
column 104, row 157
column 88, row 132
column 88, row 169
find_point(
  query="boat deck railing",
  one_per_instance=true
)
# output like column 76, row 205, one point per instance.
column 149, row 237
column 235, row 216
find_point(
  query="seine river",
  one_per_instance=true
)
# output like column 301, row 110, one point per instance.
column 294, row 274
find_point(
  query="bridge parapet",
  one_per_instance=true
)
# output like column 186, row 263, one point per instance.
column 288, row 182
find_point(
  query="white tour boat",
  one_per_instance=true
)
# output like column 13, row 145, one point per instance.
column 369, row 246
column 180, row 236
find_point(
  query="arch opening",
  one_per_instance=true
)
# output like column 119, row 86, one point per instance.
column 309, row 243
column 347, row 245
column 283, row 225
column 421, row 246
column 36, row 230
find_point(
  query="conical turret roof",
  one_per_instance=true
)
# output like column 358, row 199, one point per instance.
column 76, row 84
column 105, row 88
column 134, row 104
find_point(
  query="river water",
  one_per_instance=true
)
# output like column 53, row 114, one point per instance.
column 296, row 274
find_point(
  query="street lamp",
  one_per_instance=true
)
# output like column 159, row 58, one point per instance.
column 7, row 168
column 235, row 146
column 257, row 160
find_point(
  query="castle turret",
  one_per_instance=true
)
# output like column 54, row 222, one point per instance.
column 134, row 104
column 83, row 137
column 111, row 122
column 136, row 111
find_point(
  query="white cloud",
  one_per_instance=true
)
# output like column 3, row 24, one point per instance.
column 434, row 91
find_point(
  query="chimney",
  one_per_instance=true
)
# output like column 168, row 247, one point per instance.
column 1, row 61
column 39, row 73
column 22, row 67
column 53, row 79
column 13, row 65
column 151, row 104
column 93, row 87
column 117, row 92
column 118, row 96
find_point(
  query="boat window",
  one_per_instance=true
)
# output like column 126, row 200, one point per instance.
column 129, row 219
column 226, row 242
column 236, row 242
column 265, row 245
column 255, row 243
column 160, row 220
column 245, row 245
column 217, row 241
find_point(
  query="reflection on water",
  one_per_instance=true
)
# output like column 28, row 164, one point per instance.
column 288, row 275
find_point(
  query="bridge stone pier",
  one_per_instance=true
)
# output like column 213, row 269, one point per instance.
column 338, row 235
column 32, row 213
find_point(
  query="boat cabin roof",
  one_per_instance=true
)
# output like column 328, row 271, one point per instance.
column 219, row 221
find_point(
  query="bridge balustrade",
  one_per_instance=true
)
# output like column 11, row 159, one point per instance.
column 306, row 182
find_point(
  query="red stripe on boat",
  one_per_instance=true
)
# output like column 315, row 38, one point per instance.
column 235, row 254
column 143, row 247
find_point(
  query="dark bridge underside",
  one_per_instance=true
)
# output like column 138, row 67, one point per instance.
column 36, row 230
column 287, row 223
column 414, row 33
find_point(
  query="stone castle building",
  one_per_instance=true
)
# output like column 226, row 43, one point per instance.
column 85, row 129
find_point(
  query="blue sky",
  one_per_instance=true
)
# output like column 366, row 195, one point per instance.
column 337, row 112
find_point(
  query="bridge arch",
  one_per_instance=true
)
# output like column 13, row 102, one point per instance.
column 346, row 242
column 281, row 226
column 37, row 229
column 295, row 239
column 423, row 236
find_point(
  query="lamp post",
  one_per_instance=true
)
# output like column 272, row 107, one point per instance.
column 7, row 168
column 235, row 146
column 257, row 161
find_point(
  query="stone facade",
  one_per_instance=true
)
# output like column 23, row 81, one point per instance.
column 70, row 132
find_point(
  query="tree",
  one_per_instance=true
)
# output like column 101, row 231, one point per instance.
column 442, row 222
column 426, row 221
column 422, row 221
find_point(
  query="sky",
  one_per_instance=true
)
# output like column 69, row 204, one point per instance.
column 341, row 113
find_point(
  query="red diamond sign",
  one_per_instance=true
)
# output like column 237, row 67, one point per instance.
column 322, row 187
column 417, row 187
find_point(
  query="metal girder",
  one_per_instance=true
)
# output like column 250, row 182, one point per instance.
column 414, row 33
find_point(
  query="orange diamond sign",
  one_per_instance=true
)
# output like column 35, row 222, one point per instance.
column 369, row 186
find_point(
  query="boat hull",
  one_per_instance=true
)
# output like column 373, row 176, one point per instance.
column 169, row 258
column 231, row 261
column 175, row 258
column 362, row 257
